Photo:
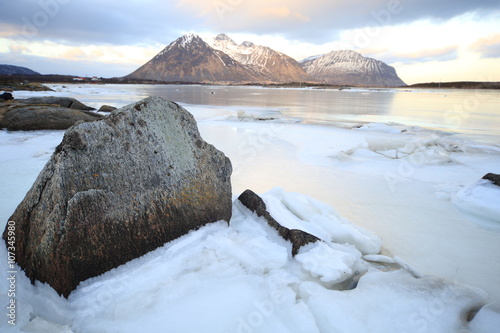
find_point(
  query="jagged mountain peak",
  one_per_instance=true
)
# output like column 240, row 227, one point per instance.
column 348, row 56
column 189, row 39
column 310, row 58
column 223, row 40
column 247, row 44
column 274, row 65
column 223, row 37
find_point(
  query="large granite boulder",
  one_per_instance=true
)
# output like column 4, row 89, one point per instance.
column 117, row 188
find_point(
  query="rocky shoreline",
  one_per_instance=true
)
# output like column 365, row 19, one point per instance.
column 44, row 113
column 121, row 186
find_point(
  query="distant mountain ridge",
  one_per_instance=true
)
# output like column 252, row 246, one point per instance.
column 221, row 60
column 351, row 68
column 16, row 70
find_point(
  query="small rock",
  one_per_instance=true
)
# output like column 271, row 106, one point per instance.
column 495, row 178
column 6, row 97
column 106, row 108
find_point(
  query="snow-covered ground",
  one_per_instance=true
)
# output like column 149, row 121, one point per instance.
column 417, row 190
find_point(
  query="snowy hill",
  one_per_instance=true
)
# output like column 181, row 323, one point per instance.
column 190, row 59
column 351, row 68
column 274, row 65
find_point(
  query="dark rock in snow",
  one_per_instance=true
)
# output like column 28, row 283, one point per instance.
column 298, row 238
column 6, row 97
column 117, row 188
column 495, row 178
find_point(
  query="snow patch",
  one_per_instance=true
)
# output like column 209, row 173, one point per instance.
column 298, row 211
column 479, row 199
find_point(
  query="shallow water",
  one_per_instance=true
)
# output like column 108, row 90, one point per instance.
column 473, row 113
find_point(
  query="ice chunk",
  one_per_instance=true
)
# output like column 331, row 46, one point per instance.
column 299, row 211
column 378, row 127
column 379, row 258
column 393, row 302
column 333, row 263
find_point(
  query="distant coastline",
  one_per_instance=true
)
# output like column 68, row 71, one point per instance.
column 458, row 85
column 32, row 82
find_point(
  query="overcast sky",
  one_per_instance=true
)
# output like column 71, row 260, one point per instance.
column 425, row 40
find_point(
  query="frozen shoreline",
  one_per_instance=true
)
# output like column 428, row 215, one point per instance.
column 403, row 183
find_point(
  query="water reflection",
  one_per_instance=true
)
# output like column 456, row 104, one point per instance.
column 470, row 112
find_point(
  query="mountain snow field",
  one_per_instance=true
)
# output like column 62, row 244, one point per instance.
column 410, row 234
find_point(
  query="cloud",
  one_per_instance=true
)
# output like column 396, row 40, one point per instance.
column 324, row 20
column 442, row 54
column 93, row 22
column 276, row 12
column 424, row 55
column 488, row 47
column 119, row 22
column 126, row 34
column 18, row 49
column 75, row 53
column 78, row 67
column 8, row 30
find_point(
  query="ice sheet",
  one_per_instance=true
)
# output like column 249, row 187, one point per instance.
column 241, row 278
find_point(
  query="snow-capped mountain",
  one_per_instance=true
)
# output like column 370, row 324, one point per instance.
column 191, row 59
column 351, row 68
column 274, row 65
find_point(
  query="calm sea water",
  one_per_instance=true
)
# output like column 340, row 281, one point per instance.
column 472, row 113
